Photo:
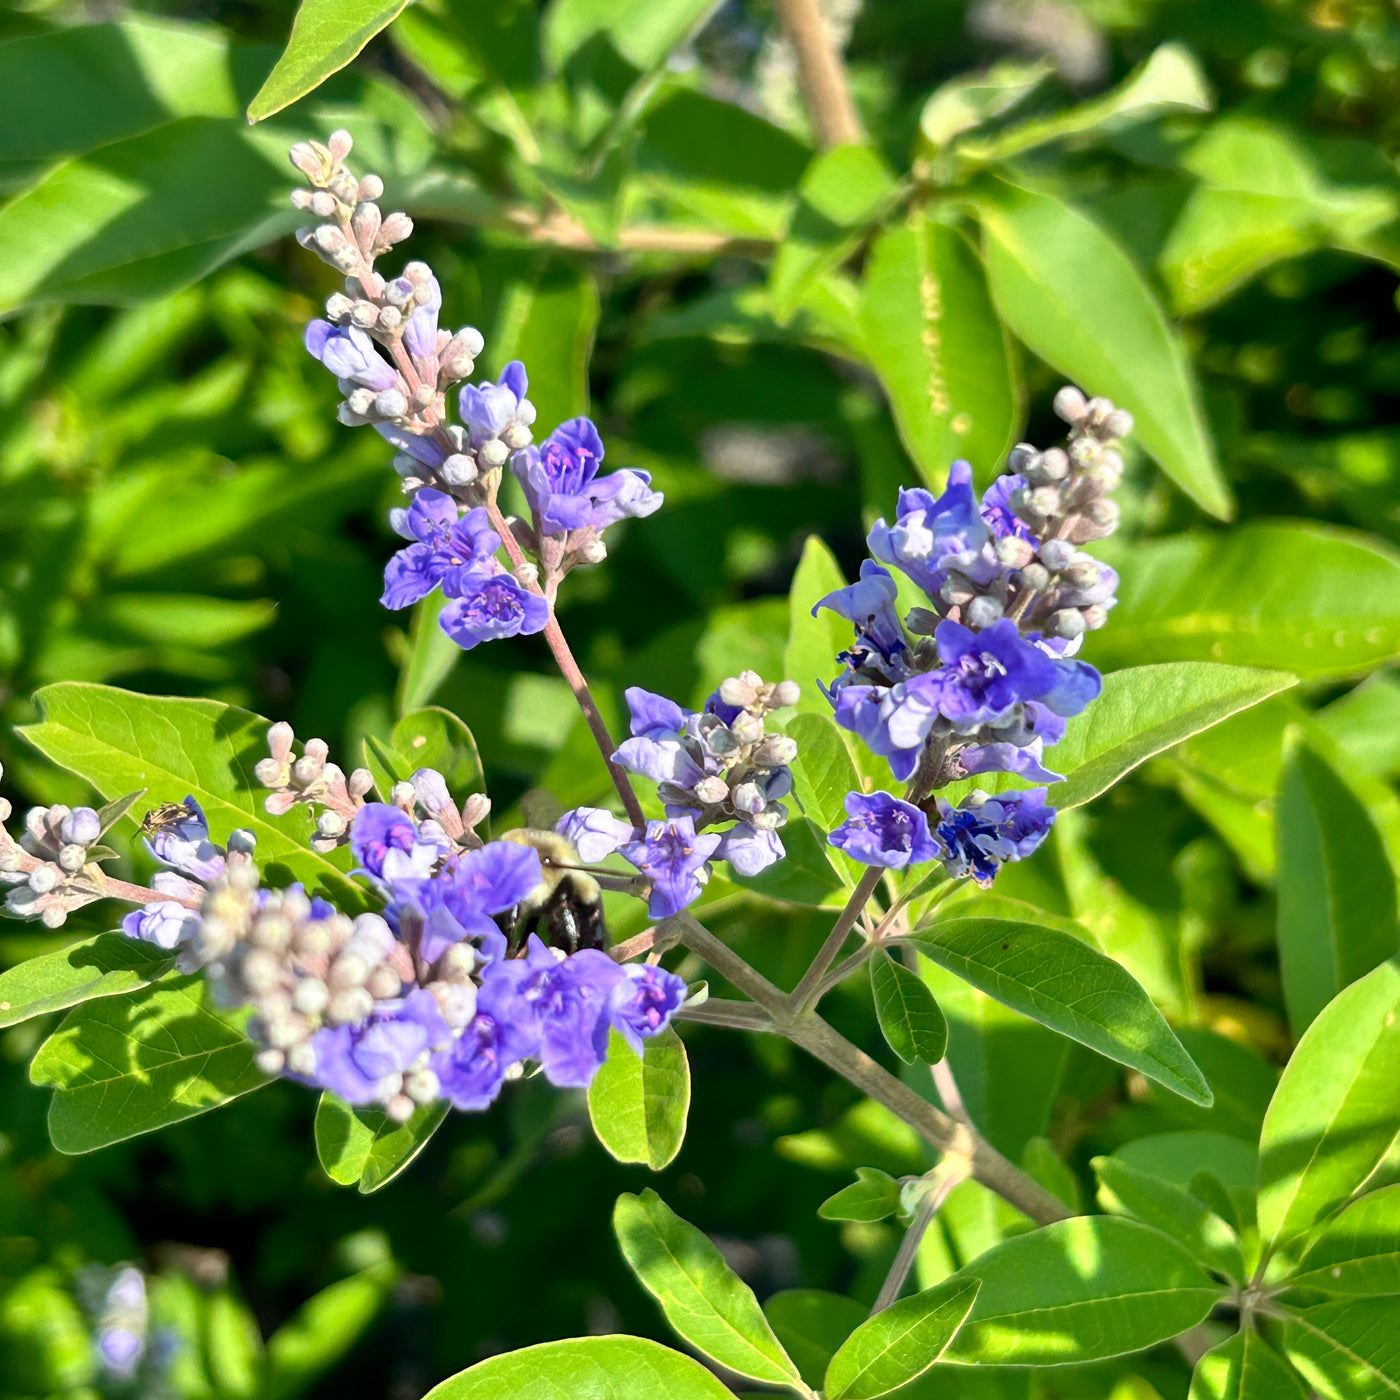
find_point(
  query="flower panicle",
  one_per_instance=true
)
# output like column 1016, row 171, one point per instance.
column 982, row 676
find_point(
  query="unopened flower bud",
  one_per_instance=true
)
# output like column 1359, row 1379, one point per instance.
column 776, row 751
column 390, row 318
column 81, row 826
column 328, row 238
column 360, row 782
column 1070, row 404
column 1057, row 555
column 371, row 187
column 1118, row 423
column 338, row 307
column 982, row 611
column 365, row 221
column 1035, row 576
column 1014, row 552
column 593, row 551
column 383, row 983
column 301, row 1059
column 403, row 795
column 43, row 878
column 307, row 770
column 711, row 790
column 517, row 435
column 390, row 403
column 1104, row 514
column 1067, row 623
column 475, row 810
column 271, row 1061
column 748, row 797
column 458, row 470
column 268, row 772
column 526, row 574
column 1045, row 501
column 748, row 728
column 72, row 858
column 364, row 314
column 324, row 204
column 330, row 824
column 493, row 453
column 395, row 229
column 740, row 690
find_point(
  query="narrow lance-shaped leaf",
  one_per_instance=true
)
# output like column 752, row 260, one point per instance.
column 1358, row 1254
column 1042, row 967
column 326, row 35
column 900, row 1343
column 910, row 1019
column 1245, row 1368
column 706, row 1302
column 939, row 348
column 1080, row 1290
column 105, row 966
column 1336, row 889
column 1348, row 1349
column 1144, row 711
column 638, row 1104
column 129, row 1065
column 1074, row 297
column 1335, row 1116
column 586, row 1368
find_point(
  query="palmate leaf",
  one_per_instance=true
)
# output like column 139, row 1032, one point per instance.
column 586, row 1368
column 1045, row 968
column 1334, row 1117
column 706, row 1302
column 118, row 741
column 1080, row 1290
column 129, row 1065
column 638, row 1104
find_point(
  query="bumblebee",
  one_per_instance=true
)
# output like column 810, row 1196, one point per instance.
column 565, row 908
column 162, row 818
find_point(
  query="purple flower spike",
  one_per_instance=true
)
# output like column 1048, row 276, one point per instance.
column 985, row 673
column 166, row 924
column 881, row 829
column 350, row 354
column 353, row 1061
column 643, row 1003
column 982, row 833
column 447, row 551
column 490, row 608
column 869, row 605
column 487, row 409
column 388, row 845
column 186, row 846
column 673, row 857
column 561, row 482
column 473, row 1068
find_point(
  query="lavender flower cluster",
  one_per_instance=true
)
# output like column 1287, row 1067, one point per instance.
column 714, row 767
column 981, row 676
column 395, row 366
column 132, row 1356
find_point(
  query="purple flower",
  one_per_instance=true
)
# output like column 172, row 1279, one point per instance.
column 933, row 534
column 388, row 845
column 654, row 716
column 121, row 1349
column 472, row 1069
column 673, row 857
column 166, row 924
column 1018, row 745
column 982, row 833
column 656, row 749
column 892, row 721
column 420, row 446
column 488, row 409
column 749, row 849
column 565, row 1000
column 185, row 845
column 996, row 510
column 458, row 901
column 881, row 829
column 354, row 1061
column 642, row 1003
column 869, row 605
column 560, row 480
column 985, row 673
column 488, row 608
column 448, row 551
column 421, row 329
column 594, row 832
column 350, row 354
column 1077, row 684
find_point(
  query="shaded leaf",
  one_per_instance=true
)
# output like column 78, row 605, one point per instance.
column 365, row 1147
column 1245, row 1368
column 1359, row 1251
column 811, row 1325
column 104, row 966
column 909, row 1016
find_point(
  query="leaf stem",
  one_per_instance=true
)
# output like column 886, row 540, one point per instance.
column 821, row 74
column 950, row 1172
column 808, row 990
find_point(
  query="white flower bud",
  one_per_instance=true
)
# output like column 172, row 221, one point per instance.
column 339, row 306
column 785, row 693
column 748, row 728
column 1094, row 616
column 272, row 1062
column 391, row 404
column 43, row 878
column 739, row 690
column 1070, row 404
column 1057, row 555
column 339, row 143
column 776, row 751
column 262, row 971
column 269, row 772
column 365, row 221
column 1118, row 423
column 72, row 857
column 458, row 470
column 349, row 1005
column 306, row 770
column 712, row 789
column 399, row 1108
column 517, row 435
column 301, row 199
column 527, row 575
column 1067, row 623
column 311, row 996
column 324, row 204
column 395, row 229
column 330, row 824
column 747, row 797
column 1035, row 576
column 54, row 916
column 1014, row 552
column 360, row 782
column 384, row 983
column 301, row 1059
column 983, row 611
column 421, row 1085
column 493, row 453
column 328, row 238
column 364, row 314
column 403, row 795
column 371, row 187
column 593, row 551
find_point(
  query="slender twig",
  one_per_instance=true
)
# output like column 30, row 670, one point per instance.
column 948, row 1091
column 655, row 939
column 843, row 970
column 820, row 73
column 950, row 1172
column 559, row 230
column 736, row 1015
column 807, row 990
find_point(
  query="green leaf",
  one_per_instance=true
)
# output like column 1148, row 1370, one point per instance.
column 324, row 1329
column 939, row 349
column 643, row 31
column 1336, row 889
column 1320, row 602
column 639, row 1103
column 364, row 1147
column 1145, row 710
column 1124, row 1190
column 1080, row 1290
column 1073, row 296
column 813, row 642
column 586, row 1368
column 1335, row 1115
column 704, row 1300
column 105, row 966
column 811, row 1325
column 435, row 738
column 874, row 1195
column 548, row 318
column 841, row 190
column 144, row 216
column 1042, row 967
column 118, row 741
column 1245, row 1368
column 133, row 1064
column 326, row 35
column 1348, row 1350
column 823, row 772
column 233, row 1347
column 899, row 1344
column 1184, row 1158
column 1358, row 1254
column 430, row 657
column 964, row 103
column 910, row 1018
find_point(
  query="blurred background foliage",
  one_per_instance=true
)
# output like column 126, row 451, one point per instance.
column 628, row 196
